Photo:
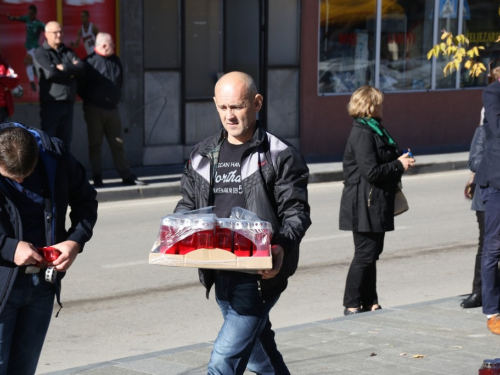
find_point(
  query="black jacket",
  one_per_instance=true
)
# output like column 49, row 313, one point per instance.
column 488, row 172
column 55, row 84
column 372, row 173
column 69, row 187
column 477, row 147
column 101, row 85
column 274, row 178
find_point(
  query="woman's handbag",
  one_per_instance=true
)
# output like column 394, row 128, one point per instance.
column 400, row 203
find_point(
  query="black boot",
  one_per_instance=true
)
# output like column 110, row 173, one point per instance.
column 474, row 300
column 97, row 178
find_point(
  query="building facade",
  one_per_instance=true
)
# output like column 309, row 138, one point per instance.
column 307, row 57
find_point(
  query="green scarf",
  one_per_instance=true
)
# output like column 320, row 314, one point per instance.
column 377, row 128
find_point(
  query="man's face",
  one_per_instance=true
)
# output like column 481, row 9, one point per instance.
column 237, row 111
column 31, row 15
column 107, row 48
column 54, row 35
column 85, row 18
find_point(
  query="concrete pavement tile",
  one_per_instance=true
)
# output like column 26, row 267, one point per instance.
column 188, row 358
column 112, row 370
column 377, row 366
column 155, row 366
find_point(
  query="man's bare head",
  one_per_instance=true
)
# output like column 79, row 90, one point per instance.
column 238, row 102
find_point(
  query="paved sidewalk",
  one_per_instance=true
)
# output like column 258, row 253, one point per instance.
column 436, row 337
column 164, row 181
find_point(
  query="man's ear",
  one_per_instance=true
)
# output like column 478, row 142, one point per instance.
column 258, row 100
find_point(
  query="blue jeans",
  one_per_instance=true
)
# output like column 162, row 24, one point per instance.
column 246, row 338
column 491, row 250
column 24, row 323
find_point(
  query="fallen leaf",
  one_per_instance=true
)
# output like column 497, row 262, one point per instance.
column 402, row 353
column 373, row 354
column 457, row 346
column 419, row 356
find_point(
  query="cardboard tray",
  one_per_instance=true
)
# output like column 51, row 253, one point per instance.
column 212, row 258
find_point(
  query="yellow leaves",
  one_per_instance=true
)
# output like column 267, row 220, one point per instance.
column 454, row 48
column 419, row 356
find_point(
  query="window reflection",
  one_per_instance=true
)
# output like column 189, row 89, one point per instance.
column 406, row 37
column 348, row 39
column 347, row 44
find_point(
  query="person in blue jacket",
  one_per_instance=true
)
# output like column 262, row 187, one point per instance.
column 39, row 180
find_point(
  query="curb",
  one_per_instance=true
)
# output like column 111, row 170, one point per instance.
column 172, row 188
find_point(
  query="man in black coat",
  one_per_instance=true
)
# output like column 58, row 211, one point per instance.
column 58, row 68
column 39, row 182
column 488, row 178
column 101, row 90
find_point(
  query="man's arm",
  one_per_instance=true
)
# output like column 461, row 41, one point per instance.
column 52, row 71
column 187, row 202
column 291, row 196
column 17, row 18
column 76, row 43
column 75, row 67
column 491, row 102
column 83, row 213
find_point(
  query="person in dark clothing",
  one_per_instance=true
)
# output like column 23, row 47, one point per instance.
column 101, row 90
column 39, row 181
column 247, row 167
column 487, row 178
column 372, row 172
column 58, row 68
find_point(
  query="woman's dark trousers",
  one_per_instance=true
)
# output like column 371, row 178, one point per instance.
column 361, row 284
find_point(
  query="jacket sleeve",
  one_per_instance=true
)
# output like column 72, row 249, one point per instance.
column 47, row 68
column 290, row 192
column 73, row 69
column 188, row 200
column 82, row 202
column 477, row 148
column 369, row 164
column 9, row 81
column 491, row 102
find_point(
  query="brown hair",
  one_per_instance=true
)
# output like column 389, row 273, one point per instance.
column 18, row 152
column 494, row 74
column 363, row 102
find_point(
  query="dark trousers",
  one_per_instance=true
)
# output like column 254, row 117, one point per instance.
column 105, row 123
column 476, row 282
column 361, row 283
column 491, row 251
column 4, row 115
column 57, row 120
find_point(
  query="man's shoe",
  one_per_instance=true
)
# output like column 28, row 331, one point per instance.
column 132, row 180
column 352, row 312
column 97, row 180
column 474, row 300
column 493, row 324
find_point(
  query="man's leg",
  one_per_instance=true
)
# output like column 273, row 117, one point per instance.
column 491, row 251
column 4, row 115
column 113, row 133
column 95, row 132
column 65, row 126
column 24, row 323
column 50, row 116
column 266, row 358
column 245, row 316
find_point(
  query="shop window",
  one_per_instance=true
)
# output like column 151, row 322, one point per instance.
column 480, row 25
column 346, row 45
column 406, row 37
